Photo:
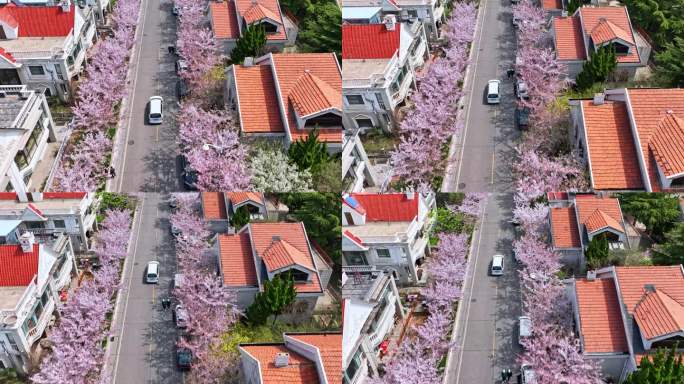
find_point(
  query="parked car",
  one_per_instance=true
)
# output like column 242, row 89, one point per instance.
column 180, row 316
column 493, row 89
column 527, row 375
column 156, row 111
column 181, row 66
column 497, row 265
column 521, row 90
column 177, row 280
column 188, row 175
column 182, row 89
column 152, row 272
column 524, row 328
column 522, row 117
column 184, row 359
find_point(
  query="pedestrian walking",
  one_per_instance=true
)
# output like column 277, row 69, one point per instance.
column 166, row 303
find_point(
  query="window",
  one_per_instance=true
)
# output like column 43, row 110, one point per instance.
column 355, row 99
column 355, row 258
column 44, row 297
column 21, row 160
column 364, row 123
column 381, row 100
column 34, row 224
column 383, row 252
column 620, row 49
column 270, row 28
column 297, row 275
column 12, row 343
column 37, row 70
column 412, row 13
column 32, row 143
column 325, row 120
column 353, row 367
column 349, row 217
column 59, row 72
column 59, row 223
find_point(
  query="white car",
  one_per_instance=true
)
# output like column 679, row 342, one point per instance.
column 156, row 112
column 180, row 314
column 152, row 272
column 497, row 265
column 493, row 92
column 521, row 90
column 524, row 328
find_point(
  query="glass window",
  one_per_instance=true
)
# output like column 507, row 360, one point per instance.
column 353, row 366
column 44, row 298
column 12, row 343
column 355, row 99
column 34, row 224
column 364, row 123
column 21, row 160
column 381, row 101
column 59, row 223
column 32, row 143
column 383, row 252
column 355, row 257
column 37, row 70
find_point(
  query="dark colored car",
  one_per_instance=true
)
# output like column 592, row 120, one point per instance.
column 182, row 88
column 188, row 174
column 522, row 117
column 183, row 359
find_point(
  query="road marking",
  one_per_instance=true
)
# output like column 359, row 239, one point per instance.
column 128, row 290
column 135, row 81
column 470, row 297
column 470, row 100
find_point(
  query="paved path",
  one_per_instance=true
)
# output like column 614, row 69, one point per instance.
column 486, row 341
column 148, row 153
column 145, row 335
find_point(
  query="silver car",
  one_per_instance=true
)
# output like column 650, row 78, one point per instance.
column 180, row 314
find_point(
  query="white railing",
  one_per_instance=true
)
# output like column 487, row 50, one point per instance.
column 35, row 332
column 384, row 326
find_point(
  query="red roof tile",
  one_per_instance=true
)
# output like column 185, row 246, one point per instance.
column 224, row 20
column 657, row 314
column 592, row 16
column 64, row 195
column 8, row 195
column 667, row 145
column 214, row 206
column 255, row 10
column 311, row 95
column 237, row 262
column 556, row 196
column 238, row 198
column 257, row 100
column 632, row 281
column 299, row 370
column 18, row 268
column 568, row 38
column 606, row 31
column 564, row 228
column 601, row 325
column 281, row 254
column 612, row 153
column 7, row 55
column 258, row 12
column 354, row 238
column 41, row 21
column 388, row 207
column 599, row 212
column 552, row 4
column 369, row 41
column 330, row 348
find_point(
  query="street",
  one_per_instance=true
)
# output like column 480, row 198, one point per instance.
column 486, row 338
column 145, row 335
column 147, row 160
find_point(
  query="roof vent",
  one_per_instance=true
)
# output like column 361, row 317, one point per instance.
column 649, row 288
column 670, row 112
column 599, row 98
column 275, row 238
column 282, row 359
column 410, row 195
column 591, row 275
column 390, row 22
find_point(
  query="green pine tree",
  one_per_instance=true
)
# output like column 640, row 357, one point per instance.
column 670, row 63
column 309, row 153
column 597, row 69
column 250, row 44
column 665, row 367
column 278, row 294
column 240, row 217
column 671, row 251
column 597, row 252
column 657, row 211
column 321, row 30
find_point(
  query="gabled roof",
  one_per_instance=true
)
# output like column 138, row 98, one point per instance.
column 311, row 95
column 281, row 254
column 667, row 145
column 237, row 261
column 224, row 20
column 564, row 228
column 599, row 220
column 354, row 239
column 299, row 368
column 568, row 38
column 18, row 268
column 613, row 156
column 592, row 16
column 330, row 348
column 257, row 99
column 597, row 212
column 633, row 280
column 258, row 12
column 657, row 314
column 369, row 41
column 388, row 207
column 214, row 206
column 606, row 31
column 39, row 21
column 238, row 198
column 601, row 325
column 255, row 10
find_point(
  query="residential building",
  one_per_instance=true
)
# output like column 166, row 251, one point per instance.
column 372, row 307
column 356, row 172
column 218, row 208
column 230, row 18
column 30, row 280
column 302, row 358
column 554, row 7
column 624, row 313
column 286, row 96
column 100, row 7
column 576, row 37
column 379, row 63
column 50, row 214
column 430, row 13
column 260, row 251
column 576, row 219
column 632, row 139
column 26, row 129
column 44, row 47
column 388, row 232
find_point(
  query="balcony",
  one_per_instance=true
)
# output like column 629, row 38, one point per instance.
column 35, row 332
column 402, row 93
column 383, row 326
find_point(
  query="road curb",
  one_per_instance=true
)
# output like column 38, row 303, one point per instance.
column 458, row 137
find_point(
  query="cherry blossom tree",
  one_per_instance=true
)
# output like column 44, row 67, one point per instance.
column 196, row 45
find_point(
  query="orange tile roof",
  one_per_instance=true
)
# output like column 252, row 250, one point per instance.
column 606, row 31
column 387, row 206
column 214, row 206
column 632, row 280
column 299, row 368
column 667, row 145
column 18, row 268
column 257, row 100
column 649, row 106
column 281, row 254
column 237, row 261
column 330, row 347
column 564, row 227
column 311, row 95
column 612, row 152
column 255, row 10
column 592, row 16
column 290, row 67
column 369, row 41
column 657, row 314
column 599, row 212
column 224, row 20
column 568, row 38
column 601, row 323
column 240, row 197
column 552, row 4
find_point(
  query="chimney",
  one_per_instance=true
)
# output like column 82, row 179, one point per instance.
column 248, row 62
column 410, row 195
column 66, row 6
column 564, row 13
column 390, row 22
column 282, row 359
column 27, row 240
column 591, row 275
column 37, row 196
column 599, row 98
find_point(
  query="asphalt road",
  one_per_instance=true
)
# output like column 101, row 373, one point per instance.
column 486, row 338
column 148, row 161
column 145, row 353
